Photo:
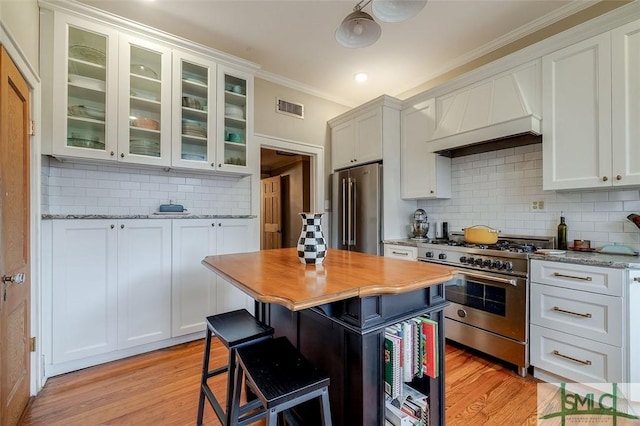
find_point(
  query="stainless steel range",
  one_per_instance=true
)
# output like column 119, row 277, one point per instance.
column 489, row 308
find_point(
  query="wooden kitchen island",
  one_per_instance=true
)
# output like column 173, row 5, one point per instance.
column 336, row 313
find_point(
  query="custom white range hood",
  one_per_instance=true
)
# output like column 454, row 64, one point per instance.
column 504, row 110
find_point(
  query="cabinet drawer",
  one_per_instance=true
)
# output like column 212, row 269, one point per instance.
column 401, row 252
column 576, row 312
column 578, row 277
column 575, row 358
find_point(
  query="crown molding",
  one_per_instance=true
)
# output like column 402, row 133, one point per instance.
column 598, row 25
column 301, row 87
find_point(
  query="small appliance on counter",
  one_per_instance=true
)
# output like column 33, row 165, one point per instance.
column 171, row 209
column 420, row 226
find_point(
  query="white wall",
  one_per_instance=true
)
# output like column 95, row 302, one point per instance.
column 497, row 189
column 22, row 20
column 69, row 188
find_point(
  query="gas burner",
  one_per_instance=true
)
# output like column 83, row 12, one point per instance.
column 509, row 255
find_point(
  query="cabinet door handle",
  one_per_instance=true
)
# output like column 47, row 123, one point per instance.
column 636, row 279
column 557, row 309
column 557, row 274
column 604, row 178
column 122, row 155
column 113, row 153
column 618, row 177
column 122, row 226
column 557, row 353
column 400, row 253
column 112, row 226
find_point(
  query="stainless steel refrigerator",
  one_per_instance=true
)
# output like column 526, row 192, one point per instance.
column 357, row 209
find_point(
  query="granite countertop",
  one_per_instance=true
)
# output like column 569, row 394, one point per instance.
column 584, row 258
column 145, row 216
column 593, row 259
column 405, row 242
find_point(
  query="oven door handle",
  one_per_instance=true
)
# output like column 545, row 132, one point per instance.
column 510, row 281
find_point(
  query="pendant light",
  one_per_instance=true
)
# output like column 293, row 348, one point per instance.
column 396, row 10
column 358, row 29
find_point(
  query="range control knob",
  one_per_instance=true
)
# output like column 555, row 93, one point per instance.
column 487, row 263
column 463, row 259
column 470, row 260
column 479, row 262
column 497, row 264
column 429, row 254
column 508, row 266
column 442, row 256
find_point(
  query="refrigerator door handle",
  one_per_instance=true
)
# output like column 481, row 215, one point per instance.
column 354, row 225
column 344, row 211
column 349, row 211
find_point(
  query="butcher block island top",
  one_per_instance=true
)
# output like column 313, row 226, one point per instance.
column 277, row 276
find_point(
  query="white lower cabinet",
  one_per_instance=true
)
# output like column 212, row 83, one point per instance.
column 398, row 251
column 144, row 281
column 122, row 287
column 582, row 325
column 84, row 289
column 111, row 285
column 197, row 292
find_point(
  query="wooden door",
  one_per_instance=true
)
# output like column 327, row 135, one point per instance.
column 14, row 242
column 271, row 213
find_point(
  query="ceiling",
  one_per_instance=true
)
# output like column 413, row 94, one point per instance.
column 293, row 40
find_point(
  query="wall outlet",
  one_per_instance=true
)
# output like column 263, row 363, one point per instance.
column 537, row 205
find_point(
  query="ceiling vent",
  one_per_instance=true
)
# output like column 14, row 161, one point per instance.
column 289, row 108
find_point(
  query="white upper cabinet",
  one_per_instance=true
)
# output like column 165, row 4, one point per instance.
column 124, row 94
column 423, row 174
column 357, row 140
column 194, row 110
column 590, row 112
column 82, row 86
column 625, row 107
column 235, row 120
column 577, row 115
column 144, row 128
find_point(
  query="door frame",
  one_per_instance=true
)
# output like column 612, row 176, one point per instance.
column 317, row 176
column 33, row 81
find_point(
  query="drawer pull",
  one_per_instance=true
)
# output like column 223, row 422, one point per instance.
column 557, row 274
column 636, row 279
column 400, row 253
column 587, row 362
column 587, row 315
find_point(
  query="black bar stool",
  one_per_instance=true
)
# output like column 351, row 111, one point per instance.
column 281, row 378
column 234, row 329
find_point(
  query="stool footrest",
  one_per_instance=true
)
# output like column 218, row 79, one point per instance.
column 233, row 329
column 217, row 371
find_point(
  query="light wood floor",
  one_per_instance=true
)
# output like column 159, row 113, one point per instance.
column 161, row 388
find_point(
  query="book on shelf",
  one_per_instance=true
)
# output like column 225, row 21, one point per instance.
column 418, row 399
column 396, row 416
column 431, row 360
column 392, row 364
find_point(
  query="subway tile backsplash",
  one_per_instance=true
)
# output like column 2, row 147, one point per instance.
column 498, row 189
column 77, row 188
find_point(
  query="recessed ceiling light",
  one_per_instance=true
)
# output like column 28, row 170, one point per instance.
column 361, row 77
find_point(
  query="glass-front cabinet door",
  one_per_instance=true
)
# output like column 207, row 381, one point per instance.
column 85, row 64
column 235, row 109
column 194, row 109
column 144, row 135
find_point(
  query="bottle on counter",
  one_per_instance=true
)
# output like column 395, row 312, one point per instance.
column 562, row 233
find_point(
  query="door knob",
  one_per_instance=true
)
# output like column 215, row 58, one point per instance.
column 17, row 278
